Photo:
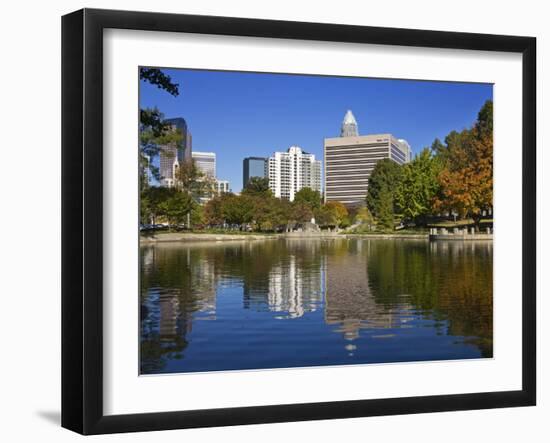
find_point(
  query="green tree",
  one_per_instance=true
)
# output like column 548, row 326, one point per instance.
column 338, row 213
column 238, row 209
column 301, row 212
column 383, row 184
column 284, row 212
column 213, row 210
column 257, row 186
column 150, row 203
column 438, row 147
column 176, row 207
column 418, row 187
column 198, row 216
column 268, row 212
column 484, row 123
column 190, row 179
column 308, row 197
column 385, row 209
column 365, row 217
column 325, row 217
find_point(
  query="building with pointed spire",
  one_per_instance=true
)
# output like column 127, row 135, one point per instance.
column 349, row 126
column 350, row 159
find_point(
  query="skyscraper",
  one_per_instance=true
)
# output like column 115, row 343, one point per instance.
column 293, row 170
column 350, row 159
column 254, row 167
column 185, row 147
column 172, row 155
column 206, row 162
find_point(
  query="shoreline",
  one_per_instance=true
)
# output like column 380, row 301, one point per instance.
column 173, row 237
column 165, row 237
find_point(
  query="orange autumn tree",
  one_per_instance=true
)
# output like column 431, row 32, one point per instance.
column 466, row 181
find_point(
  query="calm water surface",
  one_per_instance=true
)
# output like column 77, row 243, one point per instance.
column 288, row 303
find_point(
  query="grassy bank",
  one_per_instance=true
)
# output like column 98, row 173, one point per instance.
column 155, row 237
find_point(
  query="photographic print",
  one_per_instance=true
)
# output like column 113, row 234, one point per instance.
column 294, row 220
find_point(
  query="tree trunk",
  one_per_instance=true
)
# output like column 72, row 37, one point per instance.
column 477, row 220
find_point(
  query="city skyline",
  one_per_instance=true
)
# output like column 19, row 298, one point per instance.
column 254, row 114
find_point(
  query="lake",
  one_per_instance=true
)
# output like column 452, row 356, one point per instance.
column 231, row 305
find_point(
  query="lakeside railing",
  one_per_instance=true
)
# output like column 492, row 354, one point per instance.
column 460, row 234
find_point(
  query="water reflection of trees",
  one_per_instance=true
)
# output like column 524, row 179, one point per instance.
column 172, row 292
column 349, row 301
column 449, row 281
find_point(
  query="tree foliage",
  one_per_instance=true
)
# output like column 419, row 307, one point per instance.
column 268, row 213
column 301, row 212
column 337, row 212
column 176, row 207
column 365, row 217
column 382, row 191
column 189, row 178
column 418, row 186
column 167, row 203
column 466, row 180
column 154, row 130
column 309, row 198
column 257, row 186
column 454, row 176
column 150, row 203
column 238, row 209
column 152, row 141
column 158, row 78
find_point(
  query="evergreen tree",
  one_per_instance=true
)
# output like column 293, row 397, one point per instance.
column 384, row 208
column 385, row 178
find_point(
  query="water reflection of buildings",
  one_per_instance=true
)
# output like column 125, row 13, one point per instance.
column 293, row 289
column 291, row 286
column 203, row 276
column 349, row 301
column 169, row 313
column 456, row 249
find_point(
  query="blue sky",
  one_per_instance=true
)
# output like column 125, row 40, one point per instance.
column 237, row 115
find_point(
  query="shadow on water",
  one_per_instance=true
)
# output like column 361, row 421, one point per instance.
column 284, row 303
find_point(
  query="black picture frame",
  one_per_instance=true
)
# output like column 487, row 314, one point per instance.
column 82, row 220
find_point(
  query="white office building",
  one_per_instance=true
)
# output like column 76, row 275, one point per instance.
column 169, row 164
column 293, row 170
column 222, row 187
column 206, row 162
